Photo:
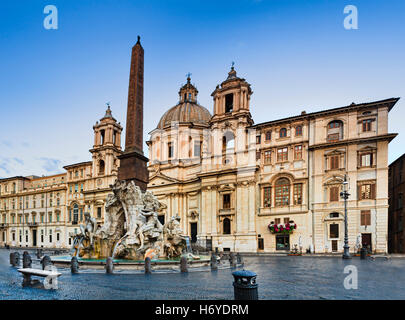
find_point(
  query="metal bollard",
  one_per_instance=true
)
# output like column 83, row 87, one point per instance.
column 12, row 258
column 109, row 266
column 74, row 265
column 27, row 261
column 214, row 262
column 244, row 285
column 183, row 264
column 148, row 266
column 363, row 253
column 46, row 261
column 16, row 259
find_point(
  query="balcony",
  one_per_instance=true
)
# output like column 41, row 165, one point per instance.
column 32, row 224
column 3, row 225
column 74, row 222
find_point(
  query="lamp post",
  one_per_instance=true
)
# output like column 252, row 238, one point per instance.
column 345, row 195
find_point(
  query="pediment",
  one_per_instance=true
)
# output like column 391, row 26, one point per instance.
column 161, row 179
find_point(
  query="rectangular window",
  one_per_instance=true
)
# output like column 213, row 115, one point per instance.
column 298, row 152
column 298, row 131
column 282, row 154
column 366, row 160
column 267, row 157
column 258, row 139
column 81, row 187
column 76, row 187
column 277, row 220
column 366, row 191
column 268, row 135
column 334, row 162
column 365, row 218
column 258, row 155
column 334, row 231
column 298, row 193
column 267, row 197
column 170, row 150
column 197, row 149
column 50, row 217
column 367, row 125
column 99, row 212
column 226, row 201
column 334, row 194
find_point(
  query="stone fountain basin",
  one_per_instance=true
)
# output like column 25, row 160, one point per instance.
column 122, row 264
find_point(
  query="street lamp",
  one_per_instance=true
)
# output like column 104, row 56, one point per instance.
column 345, row 195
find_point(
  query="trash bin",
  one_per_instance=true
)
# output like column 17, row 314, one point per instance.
column 244, row 285
column 363, row 253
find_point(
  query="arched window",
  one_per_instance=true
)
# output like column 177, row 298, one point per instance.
column 283, row 132
column 102, row 135
column 282, row 192
column 101, row 167
column 335, row 131
column 75, row 213
column 226, row 226
column 228, row 141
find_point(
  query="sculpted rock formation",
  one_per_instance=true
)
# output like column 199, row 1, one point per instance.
column 131, row 228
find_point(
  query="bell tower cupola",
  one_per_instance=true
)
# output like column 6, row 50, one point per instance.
column 107, row 145
column 232, row 97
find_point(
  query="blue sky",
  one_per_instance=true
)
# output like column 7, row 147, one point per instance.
column 296, row 54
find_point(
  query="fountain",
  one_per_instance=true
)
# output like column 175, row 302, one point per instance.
column 131, row 232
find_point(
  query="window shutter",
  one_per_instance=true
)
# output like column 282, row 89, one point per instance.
column 362, row 219
column 373, row 196
column 359, row 192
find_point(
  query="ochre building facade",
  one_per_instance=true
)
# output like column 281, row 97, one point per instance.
column 272, row 186
column 47, row 211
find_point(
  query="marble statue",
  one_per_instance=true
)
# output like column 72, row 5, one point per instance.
column 131, row 228
column 173, row 239
column 89, row 228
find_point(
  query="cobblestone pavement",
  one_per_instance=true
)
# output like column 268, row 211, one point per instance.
column 278, row 278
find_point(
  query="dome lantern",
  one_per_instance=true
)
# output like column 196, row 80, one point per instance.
column 188, row 92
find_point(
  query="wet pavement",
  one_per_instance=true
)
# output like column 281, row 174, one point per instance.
column 286, row 277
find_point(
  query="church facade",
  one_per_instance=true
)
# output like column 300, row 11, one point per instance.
column 272, row 186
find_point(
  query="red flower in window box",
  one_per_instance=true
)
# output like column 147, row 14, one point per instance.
column 282, row 228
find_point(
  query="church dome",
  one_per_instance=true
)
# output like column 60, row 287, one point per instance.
column 185, row 112
column 188, row 110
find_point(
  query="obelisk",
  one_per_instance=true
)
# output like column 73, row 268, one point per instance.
column 133, row 164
